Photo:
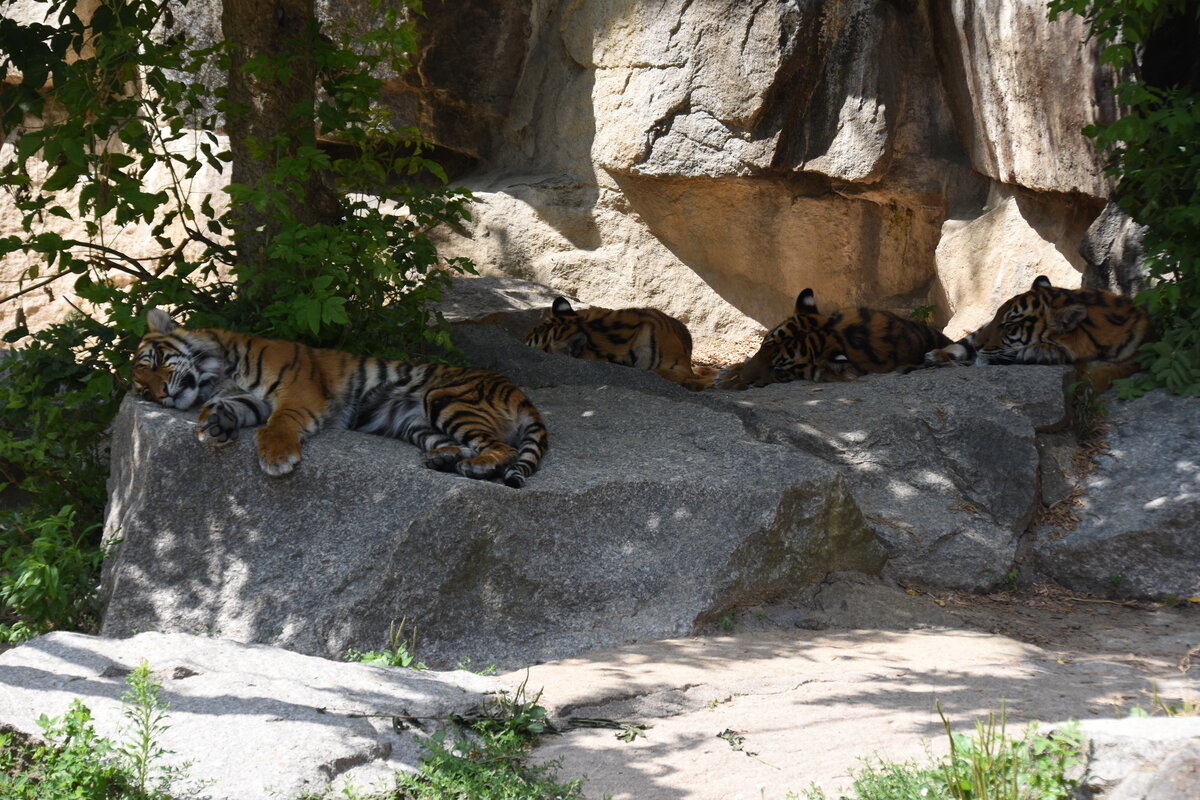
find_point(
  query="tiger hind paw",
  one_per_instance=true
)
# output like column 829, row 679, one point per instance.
column 445, row 458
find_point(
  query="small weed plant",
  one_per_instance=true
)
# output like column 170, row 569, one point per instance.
column 399, row 653
column 486, row 760
column 75, row 762
column 988, row 765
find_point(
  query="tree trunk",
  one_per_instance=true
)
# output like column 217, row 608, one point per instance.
column 272, row 106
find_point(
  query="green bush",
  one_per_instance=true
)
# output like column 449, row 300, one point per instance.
column 91, row 132
column 1155, row 158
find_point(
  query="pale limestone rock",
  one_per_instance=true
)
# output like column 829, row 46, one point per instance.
column 984, row 261
column 50, row 302
column 1022, row 89
column 714, row 159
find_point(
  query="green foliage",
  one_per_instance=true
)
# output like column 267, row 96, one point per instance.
column 880, row 780
column 145, row 713
column 1155, row 157
column 74, row 762
column 56, row 400
column 486, row 761
column 399, row 653
column 492, row 767
column 90, row 135
column 491, row 761
column 991, row 765
column 923, row 314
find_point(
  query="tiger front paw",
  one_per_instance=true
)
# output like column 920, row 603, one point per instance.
column 217, row 425
column 278, row 451
column 949, row 356
column 729, row 378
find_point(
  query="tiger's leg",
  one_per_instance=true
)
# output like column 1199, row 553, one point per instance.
column 225, row 413
column 1036, row 353
column 684, row 377
column 1080, row 388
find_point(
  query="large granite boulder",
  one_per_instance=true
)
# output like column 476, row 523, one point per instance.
column 656, row 510
column 245, row 721
column 1138, row 528
column 647, row 518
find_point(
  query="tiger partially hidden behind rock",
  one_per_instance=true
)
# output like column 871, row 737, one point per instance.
column 811, row 346
column 1096, row 331
column 633, row 337
column 471, row 421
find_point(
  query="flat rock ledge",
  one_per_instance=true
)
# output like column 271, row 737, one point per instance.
column 251, row 722
column 657, row 511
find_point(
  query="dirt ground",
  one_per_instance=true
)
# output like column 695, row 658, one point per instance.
column 789, row 698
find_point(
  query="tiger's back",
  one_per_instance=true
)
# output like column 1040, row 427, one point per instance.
column 473, row 421
column 812, row 346
column 644, row 338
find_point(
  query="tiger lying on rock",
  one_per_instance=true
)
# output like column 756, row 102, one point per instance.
column 1097, row 331
column 471, row 421
column 811, row 346
column 633, row 337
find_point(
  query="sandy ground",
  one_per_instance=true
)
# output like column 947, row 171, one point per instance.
column 770, row 709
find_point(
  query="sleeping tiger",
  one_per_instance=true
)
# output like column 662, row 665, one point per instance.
column 811, row 346
column 633, row 337
column 1097, row 331
column 471, row 421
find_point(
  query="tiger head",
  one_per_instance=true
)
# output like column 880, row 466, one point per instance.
column 1032, row 319
column 172, row 367
column 561, row 332
column 805, row 346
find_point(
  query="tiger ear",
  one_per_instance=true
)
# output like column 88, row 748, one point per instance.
column 562, row 307
column 159, row 321
column 805, row 304
column 1069, row 318
column 1041, row 282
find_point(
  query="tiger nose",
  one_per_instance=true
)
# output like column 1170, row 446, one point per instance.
column 162, row 391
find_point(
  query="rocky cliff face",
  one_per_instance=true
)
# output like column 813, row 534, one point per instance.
column 716, row 158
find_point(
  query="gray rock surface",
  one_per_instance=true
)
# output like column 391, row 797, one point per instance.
column 1114, row 254
column 646, row 518
column 254, row 722
column 942, row 462
column 1148, row 758
column 1138, row 532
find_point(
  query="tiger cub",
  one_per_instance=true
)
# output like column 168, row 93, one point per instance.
column 811, row 346
column 471, row 421
column 633, row 337
column 1097, row 331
